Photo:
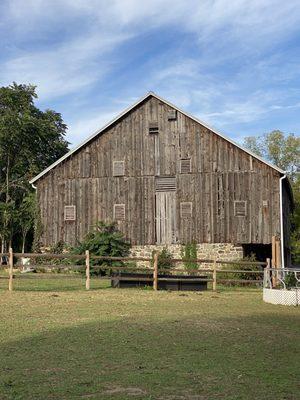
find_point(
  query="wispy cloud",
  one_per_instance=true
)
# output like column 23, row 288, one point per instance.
column 233, row 63
column 64, row 69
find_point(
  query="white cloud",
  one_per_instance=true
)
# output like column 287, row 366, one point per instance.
column 65, row 69
column 86, row 124
column 236, row 35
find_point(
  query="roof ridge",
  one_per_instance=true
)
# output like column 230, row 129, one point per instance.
column 128, row 109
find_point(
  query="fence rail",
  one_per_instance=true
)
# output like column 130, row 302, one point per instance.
column 153, row 266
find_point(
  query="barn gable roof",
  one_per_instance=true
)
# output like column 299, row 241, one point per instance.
column 127, row 110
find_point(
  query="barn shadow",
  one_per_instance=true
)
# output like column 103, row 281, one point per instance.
column 234, row 358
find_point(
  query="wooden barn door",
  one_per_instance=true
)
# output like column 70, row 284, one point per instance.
column 165, row 213
column 165, row 217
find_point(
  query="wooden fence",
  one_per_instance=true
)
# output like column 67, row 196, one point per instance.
column 214, row 271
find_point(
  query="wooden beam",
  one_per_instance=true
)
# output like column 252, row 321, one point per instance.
column 155, row 271
column 10, row 269
column 87, row 270
column 215, row 276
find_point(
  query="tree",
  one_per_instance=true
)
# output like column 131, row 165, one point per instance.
column 284, row 151
column 104, row 239
column 30, row 140
column 25, row 216
column 280, row 149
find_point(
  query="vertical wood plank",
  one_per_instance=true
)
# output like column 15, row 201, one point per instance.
column 155, row 271
column 87, row 270
column 10, row 269
column 215, row 276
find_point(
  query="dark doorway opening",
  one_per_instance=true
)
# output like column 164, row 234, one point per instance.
column 261, row 251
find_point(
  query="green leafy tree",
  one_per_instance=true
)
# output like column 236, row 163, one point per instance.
column 284, row 151
column 104, row 239
column 7, row 219
column 25, row 216
column 295, row 237
column 279, row 148
column 30, row 140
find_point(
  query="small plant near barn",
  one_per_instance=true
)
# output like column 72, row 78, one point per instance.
column 189, row 253
column 290, row 280
column 165, row 260
column 104, row 239
column 241, row 275
column 41, row 264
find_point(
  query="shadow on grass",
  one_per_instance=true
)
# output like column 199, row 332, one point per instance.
column 57, row 283
column 60, row 282
column 183, row 358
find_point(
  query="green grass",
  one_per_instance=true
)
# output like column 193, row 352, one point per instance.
column 58, row 341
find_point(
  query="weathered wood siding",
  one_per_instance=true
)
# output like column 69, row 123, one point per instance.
column 221, row 173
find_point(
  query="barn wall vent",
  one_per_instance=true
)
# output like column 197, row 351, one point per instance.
column 165, row 184
column 186, row 209
column 118, row 168
column 240, row 208
column 70, row 213
column 172, row 115
column 185, row 166
column 119, row 212
column 153, row 127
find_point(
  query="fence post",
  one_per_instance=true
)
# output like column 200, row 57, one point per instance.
column 273, row 262
column 155, row 271
column 87, row 269
column 267, row 276
column 215, row 276
column 10, row 269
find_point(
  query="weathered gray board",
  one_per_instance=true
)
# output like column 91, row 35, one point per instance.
column 221, row 173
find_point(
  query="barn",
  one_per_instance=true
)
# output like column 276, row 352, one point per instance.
column 168, row 179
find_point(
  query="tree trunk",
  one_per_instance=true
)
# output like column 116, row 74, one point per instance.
column 23, row 243
column 6, row 216
column 2, row 251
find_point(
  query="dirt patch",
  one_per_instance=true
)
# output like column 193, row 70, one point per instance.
column 183, row 397
column 132, row 391
column 129, row 391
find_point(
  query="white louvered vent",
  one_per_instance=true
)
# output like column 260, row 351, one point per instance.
column 118, row 168
column 153, row 127
column 185, row 166
column 70, row 213
column 119, row 212
column 186, row 210
column 172, row 115
column 240, row 208
column 166, row 184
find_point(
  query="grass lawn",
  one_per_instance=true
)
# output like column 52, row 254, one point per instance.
column 65, row 343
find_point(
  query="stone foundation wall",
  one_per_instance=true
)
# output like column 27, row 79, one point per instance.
column 220, row 251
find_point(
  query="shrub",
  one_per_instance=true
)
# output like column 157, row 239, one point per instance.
column 165, row 260
column 241, row 275
column 104, row 239
column 290, row 280
column 188, row 253
column 58, row 248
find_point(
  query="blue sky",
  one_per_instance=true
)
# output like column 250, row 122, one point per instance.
column 234, row 64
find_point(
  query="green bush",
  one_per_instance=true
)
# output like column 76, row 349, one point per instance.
column 241, row 275
column 188, row 253
column 104, row 239
column 165, row 261
column 290, row 280
column 58, row 248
